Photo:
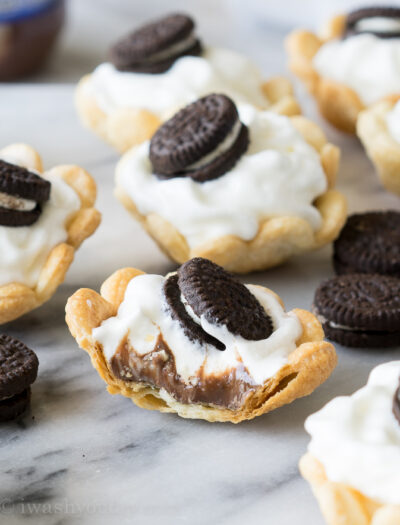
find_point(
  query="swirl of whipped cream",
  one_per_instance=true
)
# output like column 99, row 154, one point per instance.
column 190, row 77
column 365, row 63
column 280, row 174
column 357, row 437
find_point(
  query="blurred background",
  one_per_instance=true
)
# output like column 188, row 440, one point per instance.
column 250, row 26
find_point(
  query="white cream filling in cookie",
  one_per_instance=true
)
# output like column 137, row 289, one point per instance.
column 365, row 63
column 279, row 175
column 222, row 147
column 381, row 24
column 143, row 316
column 24, row 250
column 12, row 202
column 393, row 122
column 190, row 77
column 357, row 437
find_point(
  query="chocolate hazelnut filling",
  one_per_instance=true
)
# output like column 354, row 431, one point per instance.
column 158, row 369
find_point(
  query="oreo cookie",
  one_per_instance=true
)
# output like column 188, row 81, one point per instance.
column 396, row 404
column 360, row 310
column 369, row 243
column 21, row 195
column 154, row 47
column 355, row 26
column 203, row 289
column 203, row 140
column 18, row 370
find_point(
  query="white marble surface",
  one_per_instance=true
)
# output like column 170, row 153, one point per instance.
column 83, row 456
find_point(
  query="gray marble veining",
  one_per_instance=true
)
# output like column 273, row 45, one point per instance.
column 83, row 456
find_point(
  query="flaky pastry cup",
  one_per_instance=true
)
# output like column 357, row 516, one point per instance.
column 379, row 144
column 16, row 298
column 308, row 366
column 277, row 239
column 128, row 127
column 338, row 103
column 341, row 504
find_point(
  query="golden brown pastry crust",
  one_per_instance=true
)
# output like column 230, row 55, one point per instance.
column 17, row 299
column 338, row 103
column 381, row 147
column 342, row 505
column 277, row 239
column 128, row 127
column 308, row 366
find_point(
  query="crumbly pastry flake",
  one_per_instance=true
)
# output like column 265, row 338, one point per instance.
column 381, row 147
column 16, row 298
column 309, row 365
column 277, row 238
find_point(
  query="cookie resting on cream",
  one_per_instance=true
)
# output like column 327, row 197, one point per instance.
column 190, row 77
column 357, row 438
column 25, row 249
column 144, row 327
column 280, row 174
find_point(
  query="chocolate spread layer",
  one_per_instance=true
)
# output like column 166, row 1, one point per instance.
column 158, row 369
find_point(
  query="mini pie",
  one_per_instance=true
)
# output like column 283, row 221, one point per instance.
column 351, row 64
column 44, row 217
column 353, row 462
column 378, row 128
column 245, row 188
column 199, row 343
column 161, row 67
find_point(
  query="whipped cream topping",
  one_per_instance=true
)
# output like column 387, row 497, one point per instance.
column 143, row 316
column 279, row 175
column 11, row 202
column 393, row 122
column 365, row 63
column 357, row 437
column 190, row 77
column 24, row 250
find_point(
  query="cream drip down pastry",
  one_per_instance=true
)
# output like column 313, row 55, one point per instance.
column 244, row 188
column 378, row 128
column 353, row 459
column 162, row 67
column 199, row 343
column 352, row 64
column 44, row 217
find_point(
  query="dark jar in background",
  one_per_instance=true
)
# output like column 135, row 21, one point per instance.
column 28, row 30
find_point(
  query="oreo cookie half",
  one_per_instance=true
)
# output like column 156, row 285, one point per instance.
column 153, row 48
column 203, row 140
column 21, row 195
column 360, row 310
column 202, row 288
column 369, row 243
column 361, row 21
column 18, row 370
column 396, row 404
